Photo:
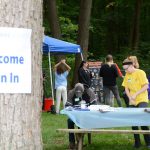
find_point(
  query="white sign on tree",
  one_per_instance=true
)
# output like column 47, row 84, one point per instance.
column 15, row 60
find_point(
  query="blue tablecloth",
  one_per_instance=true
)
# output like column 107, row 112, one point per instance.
column 121, row 117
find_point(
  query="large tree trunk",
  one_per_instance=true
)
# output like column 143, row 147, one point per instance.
column 54, row 23
column 20, row 126
column 134, row 39
column 83, row 33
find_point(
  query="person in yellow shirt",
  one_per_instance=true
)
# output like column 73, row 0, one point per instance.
column 136, row 65
column 136, row 85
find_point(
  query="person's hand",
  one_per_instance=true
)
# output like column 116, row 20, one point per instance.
column 133, row 97
column 63, row 61
column 132, row 100
column 92, row 73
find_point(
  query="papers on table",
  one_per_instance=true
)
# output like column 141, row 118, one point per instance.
column 98, row 107
column 101, row 108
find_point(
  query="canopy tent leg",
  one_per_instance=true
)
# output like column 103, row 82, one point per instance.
column 51, row 80
column 81, row 56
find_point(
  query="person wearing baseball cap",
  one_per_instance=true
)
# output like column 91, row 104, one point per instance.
column 75, row 97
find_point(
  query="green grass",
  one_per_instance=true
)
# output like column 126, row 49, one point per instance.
column 53, row 140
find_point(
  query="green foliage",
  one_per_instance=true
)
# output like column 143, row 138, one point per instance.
column 110, row 19
column 110, row 29
column 119, row 12
column 46, row 72
column 144, row 56
column 68, row 29
column 69, row 9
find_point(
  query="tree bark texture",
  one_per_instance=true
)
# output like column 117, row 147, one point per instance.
column 53, row 19
column 54, row 23
column 134, row 42
column 20, row 126
column 111, row 41
column 83, row 33
column 84, row 23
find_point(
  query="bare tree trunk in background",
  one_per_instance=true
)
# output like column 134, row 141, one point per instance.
column 111, row 28
column 134, row 39
column 54, row 23
column 20, row 126
column 83, row 33
column 53, row 19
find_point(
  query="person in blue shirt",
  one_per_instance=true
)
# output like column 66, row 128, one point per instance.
column 61, row 83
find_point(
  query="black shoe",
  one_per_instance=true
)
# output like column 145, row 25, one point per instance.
column 137, row 145
column 72, row 146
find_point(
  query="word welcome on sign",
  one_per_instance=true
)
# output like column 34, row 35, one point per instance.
column 15, row 60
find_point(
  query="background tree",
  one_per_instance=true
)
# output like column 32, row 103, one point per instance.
column 134, row 39
column 53, row 19
column 54, row 23
column 109, row 29
column 20, row 113
column 83, row 33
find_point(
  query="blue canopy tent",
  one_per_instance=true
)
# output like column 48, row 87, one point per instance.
column 58, row 46
column 55, row 46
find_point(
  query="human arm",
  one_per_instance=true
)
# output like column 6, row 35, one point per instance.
column 55, row 67
column 93, row 100
column 63, row 61
column 127, row 91
column 82, row 76
column 69, row 98
column 131, row 101
column 119, row 71
column 100, row 72
column 144, row 88
column 91, row 74
column 143, row 82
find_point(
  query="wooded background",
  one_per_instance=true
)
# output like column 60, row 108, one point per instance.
column 119, row 27
column 101, row 27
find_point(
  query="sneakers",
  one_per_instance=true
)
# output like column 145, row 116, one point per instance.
column 72, row 146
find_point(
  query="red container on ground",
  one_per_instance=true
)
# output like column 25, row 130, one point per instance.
column 48, row 102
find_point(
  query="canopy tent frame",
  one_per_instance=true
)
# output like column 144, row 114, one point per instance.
column 50, row 45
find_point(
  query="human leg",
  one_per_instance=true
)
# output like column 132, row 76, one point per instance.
column 115, row 91
column 146, row 136
column 71, row 135
column 58, row 99
column 64, row 96
column 137, row 141
column 126, row 99
column 111, row 99
column 107, row 99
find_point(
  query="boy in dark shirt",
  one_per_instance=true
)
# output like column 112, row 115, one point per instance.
column 109, row 73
